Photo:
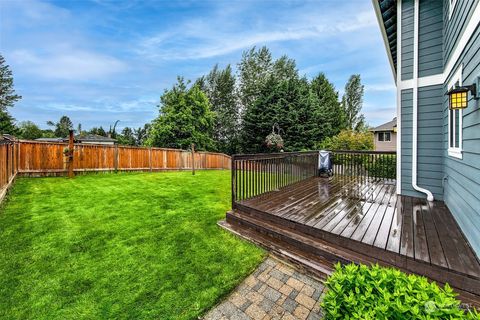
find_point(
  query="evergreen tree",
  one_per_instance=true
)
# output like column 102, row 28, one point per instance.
column 62, row 127
column 7, row 123
column 287, row 104
column 284, row 100
column 352, row 102
column 126, row 137
column 185, row 118
column 219, row 86
column 8, row 97
column 329, row 114
column 98, row 131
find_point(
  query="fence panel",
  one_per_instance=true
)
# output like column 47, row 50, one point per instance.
column 93, row 157
column 45, row 157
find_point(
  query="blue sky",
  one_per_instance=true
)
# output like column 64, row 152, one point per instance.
column 101, row 61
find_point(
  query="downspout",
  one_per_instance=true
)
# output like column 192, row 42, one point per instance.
column 415, row 105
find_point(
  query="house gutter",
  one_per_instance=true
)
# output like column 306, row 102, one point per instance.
column 415, row 105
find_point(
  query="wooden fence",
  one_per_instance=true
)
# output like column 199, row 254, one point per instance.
column 8, row 165
column 44, row 158
column 34, row 158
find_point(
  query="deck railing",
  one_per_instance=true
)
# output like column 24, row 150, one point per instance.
column 365, row 164
column 257, row 174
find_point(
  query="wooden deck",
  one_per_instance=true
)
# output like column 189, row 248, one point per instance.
column 366, row 215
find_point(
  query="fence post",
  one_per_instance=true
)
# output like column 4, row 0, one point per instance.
column 193, row 159
column 115, row 158
column 70, row 154
column 150, row 158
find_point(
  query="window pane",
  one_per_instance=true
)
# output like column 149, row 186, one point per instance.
column 380, row 136
column 387, row 136
column 457, row 128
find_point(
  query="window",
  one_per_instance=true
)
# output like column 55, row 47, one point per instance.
column 455, row 125
column 387, row 136
column 384, row 136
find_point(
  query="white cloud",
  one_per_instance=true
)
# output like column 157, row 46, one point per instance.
column 67, row 64
column 199, row 39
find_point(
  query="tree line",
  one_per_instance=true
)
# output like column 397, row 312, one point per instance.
column 266, row 105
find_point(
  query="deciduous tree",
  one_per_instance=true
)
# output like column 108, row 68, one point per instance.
column 29, row 130
column 185, row 118
column 352, row 102
column 219, row 86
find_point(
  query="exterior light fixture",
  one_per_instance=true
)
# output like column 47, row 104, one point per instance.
column 458, row 96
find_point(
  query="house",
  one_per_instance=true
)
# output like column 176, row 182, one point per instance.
column 416, row 208
column 8, row 137
column 49, row 139
column 89, row 138
column 86, row 138
column 385, row 136
column 433, row 46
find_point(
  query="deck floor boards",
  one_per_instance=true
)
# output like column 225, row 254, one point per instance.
column 370, row 212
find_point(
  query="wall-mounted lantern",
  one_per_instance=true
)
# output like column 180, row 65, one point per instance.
column 458, row 96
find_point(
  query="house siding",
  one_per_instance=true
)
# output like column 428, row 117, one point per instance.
column 386, row 145
column 430, row 34
column 456, row 24
column 462, row 184
column 429, row 141
column 407, row 40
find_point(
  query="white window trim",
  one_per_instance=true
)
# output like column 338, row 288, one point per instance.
column 456, row 152
column 451, row 8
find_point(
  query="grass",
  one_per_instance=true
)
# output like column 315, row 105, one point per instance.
column 123, row 246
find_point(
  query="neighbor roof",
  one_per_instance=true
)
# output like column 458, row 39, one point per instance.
column 93, row 138
column 386, row 11
column 49, row 139
column 389, row 126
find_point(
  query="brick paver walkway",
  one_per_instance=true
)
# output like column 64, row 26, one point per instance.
column 274, row 291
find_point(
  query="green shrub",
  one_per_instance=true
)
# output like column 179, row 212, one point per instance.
column 384, row 166
column 361, row 292
column 348, row 140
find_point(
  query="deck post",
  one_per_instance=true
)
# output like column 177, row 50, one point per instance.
column 233, row 169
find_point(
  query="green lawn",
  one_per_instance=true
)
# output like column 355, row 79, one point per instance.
column 123, row 246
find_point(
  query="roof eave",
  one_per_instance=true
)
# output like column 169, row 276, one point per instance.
column 378, row 14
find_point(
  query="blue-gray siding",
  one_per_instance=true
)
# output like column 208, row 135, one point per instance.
column 462, row 187
column 430, row 35
column 407, row 40
column 430, row 141
column 456, row 24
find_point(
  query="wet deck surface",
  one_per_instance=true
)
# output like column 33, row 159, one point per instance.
column 370, row 212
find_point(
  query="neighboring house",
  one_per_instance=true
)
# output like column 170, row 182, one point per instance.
column 49, row 139
column 385, row 136
column 8, row 137
column 434, row 46
column 89, row 138
column 83, row 138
